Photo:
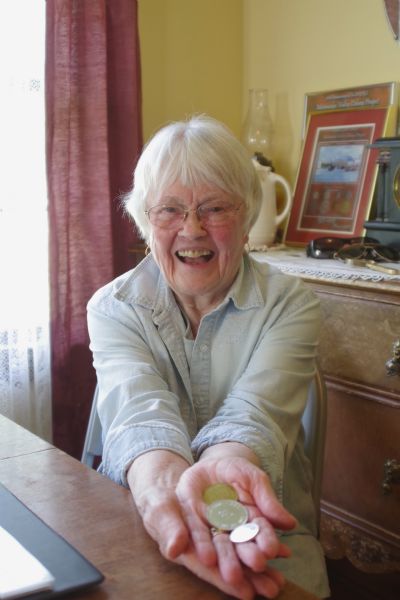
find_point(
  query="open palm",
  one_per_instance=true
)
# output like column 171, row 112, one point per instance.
column 244, row 561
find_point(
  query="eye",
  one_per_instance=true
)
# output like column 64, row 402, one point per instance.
column 214, row 208
column 166, row 212
column 170, row 210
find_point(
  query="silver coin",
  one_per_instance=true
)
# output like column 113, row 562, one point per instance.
column 226, row 514
column 244, row 533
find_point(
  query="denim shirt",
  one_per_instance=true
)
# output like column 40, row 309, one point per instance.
column 244, row 378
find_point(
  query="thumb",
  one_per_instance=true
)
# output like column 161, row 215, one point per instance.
column 167, row 527
column 173, row 536
column 271, row 508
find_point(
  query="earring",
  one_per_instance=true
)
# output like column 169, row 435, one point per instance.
column 147, row 250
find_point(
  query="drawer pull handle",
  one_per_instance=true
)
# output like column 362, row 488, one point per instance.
column 391, row 474
column 393, row 364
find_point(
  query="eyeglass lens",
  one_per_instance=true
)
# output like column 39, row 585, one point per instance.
column 377, row 252
column 213, row 212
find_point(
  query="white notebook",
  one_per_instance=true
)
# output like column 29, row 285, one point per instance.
column 21, row 573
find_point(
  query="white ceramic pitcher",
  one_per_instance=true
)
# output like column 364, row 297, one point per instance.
column 264, row 229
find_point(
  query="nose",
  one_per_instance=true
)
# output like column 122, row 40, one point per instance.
column 192, row 224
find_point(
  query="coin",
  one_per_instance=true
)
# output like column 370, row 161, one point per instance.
column 219, row 491
column 226, row 514
column 244, row 533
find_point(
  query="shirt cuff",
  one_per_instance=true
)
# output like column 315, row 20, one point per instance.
column 127, row 443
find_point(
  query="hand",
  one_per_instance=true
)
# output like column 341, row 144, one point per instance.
column 267, row 584
column 235, row 561
column 152, row 478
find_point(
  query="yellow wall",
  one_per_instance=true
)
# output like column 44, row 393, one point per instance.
column 293, row 47
column 204, row 55
column 192, row 60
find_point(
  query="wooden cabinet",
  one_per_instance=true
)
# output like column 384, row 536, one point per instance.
column 359, row 521
column 360, row 524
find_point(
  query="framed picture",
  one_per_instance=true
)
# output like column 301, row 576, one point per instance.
column 337, row 172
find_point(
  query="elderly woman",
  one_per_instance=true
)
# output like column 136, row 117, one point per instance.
column 204, row 358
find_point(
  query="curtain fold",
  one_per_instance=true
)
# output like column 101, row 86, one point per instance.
column 93, row 139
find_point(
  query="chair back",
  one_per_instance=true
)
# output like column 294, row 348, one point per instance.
column 314, row 423
column 93, row 446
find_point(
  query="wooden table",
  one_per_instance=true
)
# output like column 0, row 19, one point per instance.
column 99, row 518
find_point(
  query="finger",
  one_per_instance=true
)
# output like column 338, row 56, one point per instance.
column 168, row 528
column 250, row 555
column 267, row 584
column 200, row 534
column 267, row 538
column 268, row 541
column 254, row 487
column 270, row 506
column 243, row 590
column 228, row 561
column 284, row 551
column 264, row 546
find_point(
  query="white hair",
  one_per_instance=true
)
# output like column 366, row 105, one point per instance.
column 198, row 151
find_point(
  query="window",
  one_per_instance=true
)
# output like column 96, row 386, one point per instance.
column 25, row 394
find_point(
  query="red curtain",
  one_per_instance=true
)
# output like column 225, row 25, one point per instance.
column 93, row 139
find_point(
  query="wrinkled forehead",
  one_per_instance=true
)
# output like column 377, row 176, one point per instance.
column 179, row 194
column 175, row 175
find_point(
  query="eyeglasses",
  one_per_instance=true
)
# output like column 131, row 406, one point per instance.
column 326, row 247
column 376, row 252
column 211, row 213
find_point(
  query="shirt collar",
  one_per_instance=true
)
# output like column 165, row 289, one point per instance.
column 146, row 286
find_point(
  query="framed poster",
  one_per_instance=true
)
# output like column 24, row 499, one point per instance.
column 337, row 172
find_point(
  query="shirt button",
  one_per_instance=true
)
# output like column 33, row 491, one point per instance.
column 203, row 348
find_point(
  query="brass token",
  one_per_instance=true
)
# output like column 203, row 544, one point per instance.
column 226, row 514
column 219, row 491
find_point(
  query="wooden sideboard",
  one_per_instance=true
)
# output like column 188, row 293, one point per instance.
column 360, row 523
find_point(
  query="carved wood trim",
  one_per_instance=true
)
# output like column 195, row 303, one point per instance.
column 372, row 530
column 364, row 391
column 358, row 287
column 366, row 553
column 381, row 292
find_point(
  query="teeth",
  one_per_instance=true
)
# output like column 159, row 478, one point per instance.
column 193, row 253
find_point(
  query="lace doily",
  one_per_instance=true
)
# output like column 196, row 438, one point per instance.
column 295, row 261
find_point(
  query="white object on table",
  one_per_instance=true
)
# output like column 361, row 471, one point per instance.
column 21, row 573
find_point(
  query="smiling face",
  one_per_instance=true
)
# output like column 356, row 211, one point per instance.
column 199, row 261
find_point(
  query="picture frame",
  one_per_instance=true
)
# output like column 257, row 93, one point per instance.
column 337, row 172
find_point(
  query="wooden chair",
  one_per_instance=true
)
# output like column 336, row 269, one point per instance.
column 93, row 446
column 314, row 422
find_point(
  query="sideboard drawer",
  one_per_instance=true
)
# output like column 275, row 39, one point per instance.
column 361, row 435
column 358, row 333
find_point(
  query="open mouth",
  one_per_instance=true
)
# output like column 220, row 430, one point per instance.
column 194, row 256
